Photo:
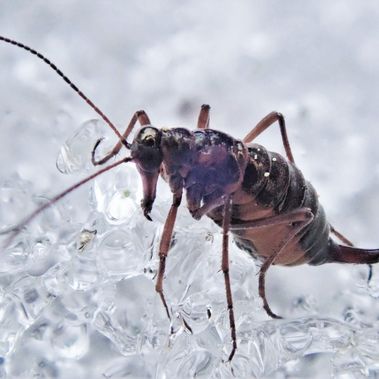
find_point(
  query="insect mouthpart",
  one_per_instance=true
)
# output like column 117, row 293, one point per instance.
column 146, row 153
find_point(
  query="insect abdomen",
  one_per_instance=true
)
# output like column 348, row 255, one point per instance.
column 276, row 186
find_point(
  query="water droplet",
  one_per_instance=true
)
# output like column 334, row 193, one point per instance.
column 70, row 341
column 121, row 207
column 117, row 255
column 14, row 201
column 118, row 198
column 75, row 153
column 82, row 274
column 295, row 338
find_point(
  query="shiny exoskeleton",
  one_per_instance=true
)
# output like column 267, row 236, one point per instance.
column 258, row 195
column 210, row 165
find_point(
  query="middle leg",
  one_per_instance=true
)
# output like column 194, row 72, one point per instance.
column 203, row 120
column 225, row 270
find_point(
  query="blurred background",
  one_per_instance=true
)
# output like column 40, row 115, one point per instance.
column 316, row 62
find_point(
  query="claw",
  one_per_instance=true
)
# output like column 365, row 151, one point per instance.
column 94, row 161
column 197, row 214
column 146, row 214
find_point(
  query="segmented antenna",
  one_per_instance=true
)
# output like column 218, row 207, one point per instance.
column 15, row 229
column 70, row 83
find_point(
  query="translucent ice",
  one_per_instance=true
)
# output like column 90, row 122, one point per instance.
column 77, row 296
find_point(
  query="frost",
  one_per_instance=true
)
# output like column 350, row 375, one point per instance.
column 90, row 280
column 77, row 297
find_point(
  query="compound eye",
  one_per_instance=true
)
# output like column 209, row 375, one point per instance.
column 148, row 141
column 149, row 136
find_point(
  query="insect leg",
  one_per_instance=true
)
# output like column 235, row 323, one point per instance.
column 212, row 201
column 369, row 275
column 225, row 270
column 203, row 120
column 165, row 245
column 296, row 215
column 264, row 124
column 302, row 217
column 140, row 116
column 340, row 236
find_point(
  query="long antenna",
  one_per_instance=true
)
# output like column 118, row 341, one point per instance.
column 15, row 229
column 70, row 83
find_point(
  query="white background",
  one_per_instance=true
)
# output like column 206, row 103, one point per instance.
column 316, row 62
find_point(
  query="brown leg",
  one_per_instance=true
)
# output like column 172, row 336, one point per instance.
column 302, row 216
column 297, row 215
column 214, row 200
column 340, row 236
column 165, row 245
column 369, row 276
column 225, row 270
column 268, row 262
column 203, row 120
column 264, row 124
column 143, row 119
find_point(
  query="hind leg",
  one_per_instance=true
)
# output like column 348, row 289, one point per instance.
column 264, row 124
column 340, row 236
column 296, row 234
column 302, row 217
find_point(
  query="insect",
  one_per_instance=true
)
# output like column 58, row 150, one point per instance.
column 259, row 196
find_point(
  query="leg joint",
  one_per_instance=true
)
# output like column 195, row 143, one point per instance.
column 279, row 115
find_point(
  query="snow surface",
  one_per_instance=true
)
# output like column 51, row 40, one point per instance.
column 93, row 312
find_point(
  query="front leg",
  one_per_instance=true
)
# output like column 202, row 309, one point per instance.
column 199, row 205
column 139, row 116
column 165, row 245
